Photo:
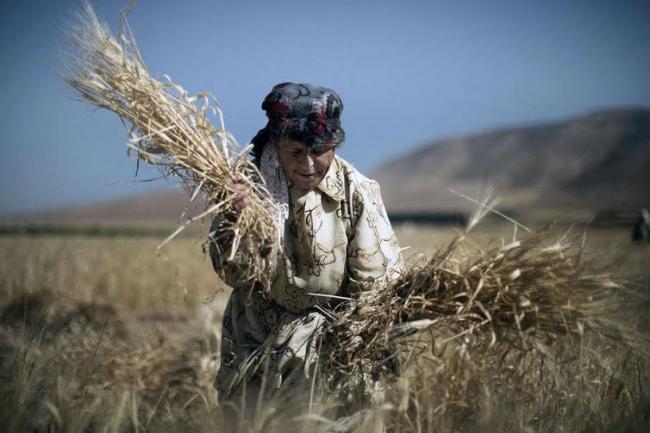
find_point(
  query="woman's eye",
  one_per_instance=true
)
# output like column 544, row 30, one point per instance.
column 297, row 153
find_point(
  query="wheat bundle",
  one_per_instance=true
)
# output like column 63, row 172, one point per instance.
column 173, row 131
column 505, row 322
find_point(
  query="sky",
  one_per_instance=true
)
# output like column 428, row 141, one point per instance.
column 409, row 73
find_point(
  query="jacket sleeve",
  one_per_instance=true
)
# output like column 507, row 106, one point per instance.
column 219, row 243
column 233, row 270
column 374, row 255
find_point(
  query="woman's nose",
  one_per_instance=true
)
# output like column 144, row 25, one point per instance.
column 309, row 161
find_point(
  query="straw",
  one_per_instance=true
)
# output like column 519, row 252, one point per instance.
column 172, row 130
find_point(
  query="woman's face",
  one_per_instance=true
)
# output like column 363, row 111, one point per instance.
column 302, row 166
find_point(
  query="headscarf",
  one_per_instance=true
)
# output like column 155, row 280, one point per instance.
column 302, row 112
column 276, row 183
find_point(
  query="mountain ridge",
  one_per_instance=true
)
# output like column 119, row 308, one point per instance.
column 594, row 161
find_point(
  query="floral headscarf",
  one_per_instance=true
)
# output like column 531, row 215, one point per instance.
column 303, row 112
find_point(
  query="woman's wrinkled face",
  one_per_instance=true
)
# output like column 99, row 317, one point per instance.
column 304, row 167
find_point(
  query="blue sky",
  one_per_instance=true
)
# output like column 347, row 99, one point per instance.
column 409, row 72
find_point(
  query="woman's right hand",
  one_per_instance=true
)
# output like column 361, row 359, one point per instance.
column 242, row 200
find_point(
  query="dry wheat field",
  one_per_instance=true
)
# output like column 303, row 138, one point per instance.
column 101, row 334
column 493, row 330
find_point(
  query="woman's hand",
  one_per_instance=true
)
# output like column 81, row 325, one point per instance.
column 243, row 199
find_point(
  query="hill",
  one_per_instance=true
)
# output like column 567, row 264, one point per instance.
column 153, row 209
column 601, row 160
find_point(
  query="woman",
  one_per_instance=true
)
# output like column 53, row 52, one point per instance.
column 335, row 242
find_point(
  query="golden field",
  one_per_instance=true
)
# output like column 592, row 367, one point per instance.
column 104, row 334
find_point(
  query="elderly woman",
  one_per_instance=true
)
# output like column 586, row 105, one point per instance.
column 335, row 242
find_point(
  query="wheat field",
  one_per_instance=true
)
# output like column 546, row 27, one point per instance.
column 103, row 334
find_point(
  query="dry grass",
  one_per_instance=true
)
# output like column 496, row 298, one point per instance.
column 535, row 327
column 113, row 338
column 523, row 336
column 99, row 334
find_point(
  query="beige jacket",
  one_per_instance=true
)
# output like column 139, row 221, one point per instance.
column 337, row 242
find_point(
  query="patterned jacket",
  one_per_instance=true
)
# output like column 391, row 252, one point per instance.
column 337, row 242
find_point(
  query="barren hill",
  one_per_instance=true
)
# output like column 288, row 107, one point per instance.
column 601, row 160
column 154, row 209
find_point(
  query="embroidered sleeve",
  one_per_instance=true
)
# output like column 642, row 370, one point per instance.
column 374, row 255
column 230, row 268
